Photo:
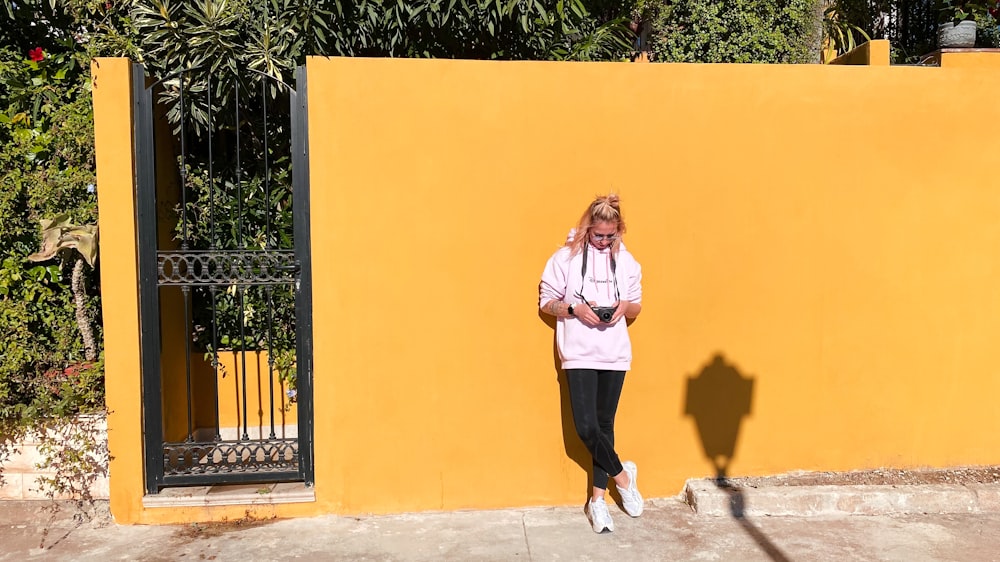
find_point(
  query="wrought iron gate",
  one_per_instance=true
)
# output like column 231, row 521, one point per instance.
column 224, row 271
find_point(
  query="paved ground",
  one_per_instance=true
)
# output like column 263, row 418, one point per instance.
column 668, row 530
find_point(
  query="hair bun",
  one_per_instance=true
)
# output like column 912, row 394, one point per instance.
column 612, row 200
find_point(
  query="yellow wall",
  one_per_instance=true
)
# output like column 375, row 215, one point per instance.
column 229, row 379
column 874, row 53
column 119, row 291
column 858, row 290
column 980, row 59
column 808, row 225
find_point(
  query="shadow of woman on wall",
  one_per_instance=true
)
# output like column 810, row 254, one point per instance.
column 718, row 398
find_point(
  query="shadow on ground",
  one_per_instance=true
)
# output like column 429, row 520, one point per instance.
column 718, row 398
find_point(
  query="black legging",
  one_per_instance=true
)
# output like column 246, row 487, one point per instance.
column 594, row 397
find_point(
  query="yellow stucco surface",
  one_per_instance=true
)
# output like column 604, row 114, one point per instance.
column 119, row 288
column 804, row 228
column 981, row 59
column 264, row 387
column 873, row 53
column 856, row 289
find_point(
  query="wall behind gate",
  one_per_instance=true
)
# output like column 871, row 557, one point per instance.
column 819, row 264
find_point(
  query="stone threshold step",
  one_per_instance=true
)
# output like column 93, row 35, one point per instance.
column 708, row 498
column 231, row 494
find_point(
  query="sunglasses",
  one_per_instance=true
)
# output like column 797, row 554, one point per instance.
column 608, row 237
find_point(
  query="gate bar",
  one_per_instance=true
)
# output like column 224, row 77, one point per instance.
column 303, row 252
column 149, row 312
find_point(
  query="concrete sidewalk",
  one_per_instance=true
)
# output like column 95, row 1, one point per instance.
column 668, row 530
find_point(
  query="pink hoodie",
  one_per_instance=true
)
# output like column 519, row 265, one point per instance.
column 605, row 347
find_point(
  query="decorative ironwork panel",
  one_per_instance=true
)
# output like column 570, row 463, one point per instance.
column 182, row 459
column 261, row 267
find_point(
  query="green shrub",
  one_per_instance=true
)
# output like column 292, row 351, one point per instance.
column 47, row 158
column 767, row 31
column 988, row 34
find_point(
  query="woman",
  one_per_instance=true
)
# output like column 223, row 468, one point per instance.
column 589, row 285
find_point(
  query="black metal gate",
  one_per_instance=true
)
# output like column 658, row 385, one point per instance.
column 224, row 272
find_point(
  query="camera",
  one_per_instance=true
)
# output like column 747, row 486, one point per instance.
column 604, row 313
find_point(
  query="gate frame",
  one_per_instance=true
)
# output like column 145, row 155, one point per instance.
column 149, row 314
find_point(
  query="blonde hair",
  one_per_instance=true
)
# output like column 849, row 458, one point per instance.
column 604, row 208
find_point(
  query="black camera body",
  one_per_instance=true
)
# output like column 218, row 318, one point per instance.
column 604, row 313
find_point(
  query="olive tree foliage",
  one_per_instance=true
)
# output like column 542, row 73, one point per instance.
column 275, row 34
column 223, row 38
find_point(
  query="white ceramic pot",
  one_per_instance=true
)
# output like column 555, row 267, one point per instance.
column 951, row 36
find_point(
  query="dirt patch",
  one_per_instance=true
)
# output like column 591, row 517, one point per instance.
column 876, row 477
column 218, row 528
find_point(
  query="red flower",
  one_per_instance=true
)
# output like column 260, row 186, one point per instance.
column 36, row 54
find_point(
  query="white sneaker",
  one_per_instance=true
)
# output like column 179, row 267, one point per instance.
column 597, row 512
column 631, row 498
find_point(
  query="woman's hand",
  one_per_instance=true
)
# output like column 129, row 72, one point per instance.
column 619, row 312
column 583, row 312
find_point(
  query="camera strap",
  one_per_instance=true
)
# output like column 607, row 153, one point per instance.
column 583, row 272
